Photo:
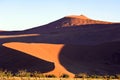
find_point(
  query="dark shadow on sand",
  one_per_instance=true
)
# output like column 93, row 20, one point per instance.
column 14, row 60
column 84, row 34
column 99, row 59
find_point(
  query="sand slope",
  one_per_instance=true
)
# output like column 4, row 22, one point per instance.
column 73, row 59
column 47, row 52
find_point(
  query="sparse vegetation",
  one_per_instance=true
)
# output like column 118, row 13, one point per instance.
column 81, row 75
column 64, row 76
column 50, row 76
column 118, row 76
column 25, row 75
column 37, row 74
column 5, row 73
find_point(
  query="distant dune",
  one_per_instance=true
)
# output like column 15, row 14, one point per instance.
column 67, row 21
column 78, row 16
column 72, row 44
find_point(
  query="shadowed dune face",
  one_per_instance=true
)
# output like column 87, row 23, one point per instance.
column 98, row 59
column 85, row 35
column 15, row 60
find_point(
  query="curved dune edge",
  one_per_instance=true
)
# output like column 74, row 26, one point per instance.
column 48, row 52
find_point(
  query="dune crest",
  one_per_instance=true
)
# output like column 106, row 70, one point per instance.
column 78, row 16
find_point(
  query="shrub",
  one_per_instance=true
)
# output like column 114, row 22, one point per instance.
column 23, row 73
column 118, row 76
column 112, row 77
column 95, row 76
column 50, row 76
column 64, row 76
column 5, row 73
column 8, row 74
column 37, row 74
column 2, row 73
column 81, row 75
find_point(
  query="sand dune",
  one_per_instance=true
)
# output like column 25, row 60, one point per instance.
column 67, row 21
column 73, row 59
column 70, row 45
column 47, row 52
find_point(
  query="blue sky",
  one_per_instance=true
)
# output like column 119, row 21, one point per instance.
column 24, row 14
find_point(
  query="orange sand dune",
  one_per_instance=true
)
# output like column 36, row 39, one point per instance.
column 48, row 52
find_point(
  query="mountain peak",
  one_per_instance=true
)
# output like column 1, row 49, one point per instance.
column 78, row 16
